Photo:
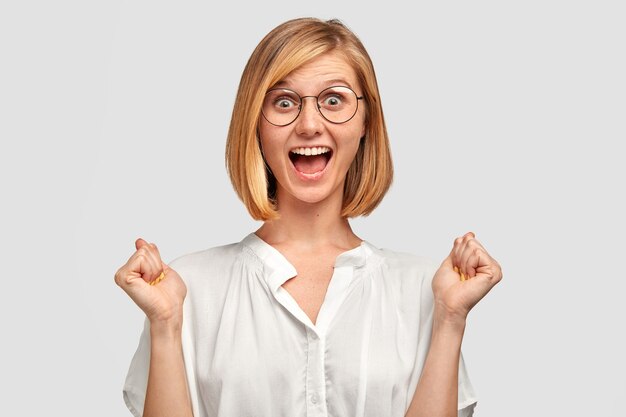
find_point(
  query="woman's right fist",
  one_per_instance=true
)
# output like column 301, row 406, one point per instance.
column 162, row 301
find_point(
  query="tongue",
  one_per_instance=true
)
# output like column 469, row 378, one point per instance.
column 309, row 164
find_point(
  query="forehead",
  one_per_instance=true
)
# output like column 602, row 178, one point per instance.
column 328, row 69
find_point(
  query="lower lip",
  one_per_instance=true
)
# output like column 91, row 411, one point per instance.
column 311, row 177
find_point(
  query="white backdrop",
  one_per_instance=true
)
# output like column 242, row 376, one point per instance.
column 506, row 119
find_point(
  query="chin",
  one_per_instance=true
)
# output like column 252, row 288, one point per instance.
column 310, row 196
column 313, row 194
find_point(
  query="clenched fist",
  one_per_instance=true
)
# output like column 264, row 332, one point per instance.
column 161, row 300
column 466, row 275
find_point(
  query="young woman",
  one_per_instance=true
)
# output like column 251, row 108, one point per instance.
column 303, row 317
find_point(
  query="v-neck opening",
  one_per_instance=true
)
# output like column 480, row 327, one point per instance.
column 279, row 270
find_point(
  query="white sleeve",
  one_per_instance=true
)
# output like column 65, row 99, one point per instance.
column 136, row 383
column 467, row 397
column 467, row 411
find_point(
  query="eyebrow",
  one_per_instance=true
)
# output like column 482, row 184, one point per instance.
column 327, row 83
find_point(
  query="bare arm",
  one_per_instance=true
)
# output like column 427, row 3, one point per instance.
column 167, row 394
column 462, row 280
column 160, row 292
column 437, row 390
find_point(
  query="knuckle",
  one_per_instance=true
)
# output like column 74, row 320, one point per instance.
column 119, row 274
column 155, row 249
column 121, row 277
column 495, row 274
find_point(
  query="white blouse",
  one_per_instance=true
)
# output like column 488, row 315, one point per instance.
column 250, row 350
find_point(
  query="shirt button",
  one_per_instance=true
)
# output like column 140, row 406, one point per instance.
column 314, row 398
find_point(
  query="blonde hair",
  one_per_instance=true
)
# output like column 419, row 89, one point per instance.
column 284, row 49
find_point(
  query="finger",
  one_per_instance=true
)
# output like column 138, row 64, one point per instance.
column 487, row 269
column 154, row 254
column 137, row 268
column 473, row 256
column 156, row 258
column 461, row 274
column 459, row 246
column 456, row 251
column 466, row 267
column 158, row 279
column 145, row 261
column 139, row 243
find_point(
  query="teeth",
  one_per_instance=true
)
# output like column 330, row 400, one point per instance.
column 311, row 151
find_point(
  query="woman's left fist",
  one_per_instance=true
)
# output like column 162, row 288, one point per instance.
column 466, row 275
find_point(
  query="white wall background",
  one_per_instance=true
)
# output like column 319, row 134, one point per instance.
column 506, row 118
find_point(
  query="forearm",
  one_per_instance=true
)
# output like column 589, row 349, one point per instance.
column 167, row 393
column 436, row 394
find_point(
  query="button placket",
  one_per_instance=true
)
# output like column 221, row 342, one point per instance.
column 315, row 384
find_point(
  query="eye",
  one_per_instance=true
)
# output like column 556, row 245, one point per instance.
column 332, row 100
column 281, row 100
column 285, row 103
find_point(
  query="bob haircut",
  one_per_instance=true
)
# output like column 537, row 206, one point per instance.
column 283, row 50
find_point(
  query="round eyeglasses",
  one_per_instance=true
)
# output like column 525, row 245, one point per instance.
column 337, row 104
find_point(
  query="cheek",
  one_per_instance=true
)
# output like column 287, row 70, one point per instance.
column 270, row 148
column 269, row 154
column 353, row 142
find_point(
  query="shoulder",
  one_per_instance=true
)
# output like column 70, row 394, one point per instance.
column 404, row 262
column 407, row 279
column 206, row 257
column 218, row 260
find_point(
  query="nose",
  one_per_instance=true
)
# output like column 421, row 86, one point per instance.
column 310, row 122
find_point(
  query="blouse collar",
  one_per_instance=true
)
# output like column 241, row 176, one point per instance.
column 278, row 269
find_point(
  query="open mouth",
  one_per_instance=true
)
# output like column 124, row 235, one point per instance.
column 310, row 161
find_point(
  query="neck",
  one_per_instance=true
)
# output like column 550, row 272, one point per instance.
column 310, row 225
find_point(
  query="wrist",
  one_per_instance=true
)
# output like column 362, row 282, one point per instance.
column 445, row 319
column 166, row 329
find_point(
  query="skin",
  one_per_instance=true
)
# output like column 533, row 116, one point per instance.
column 311, row 233
column 311, row 129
